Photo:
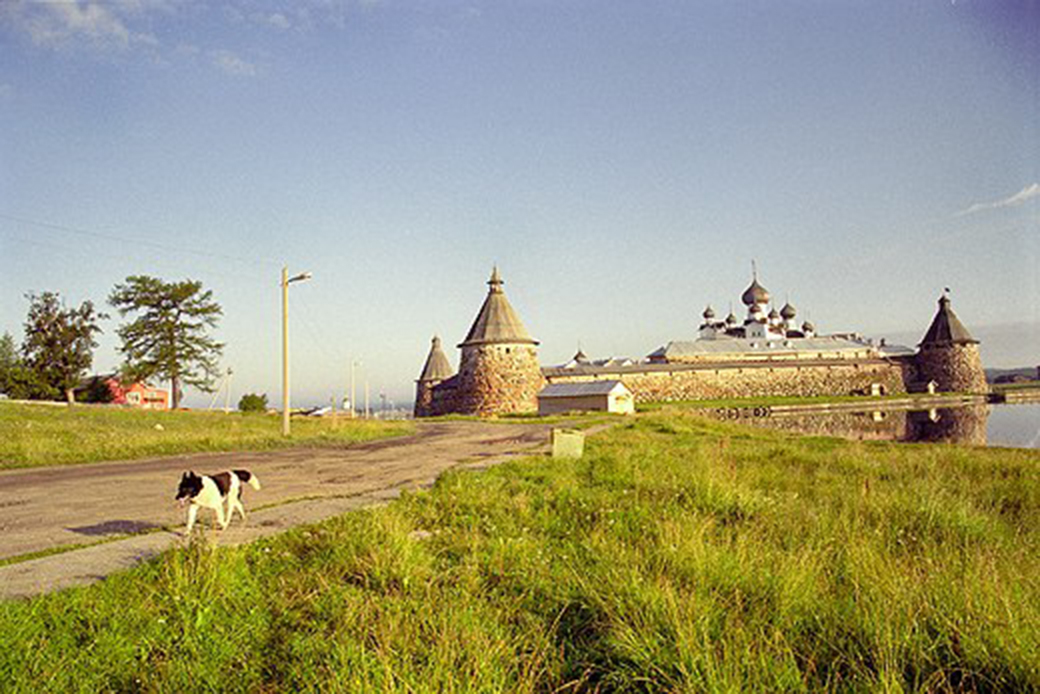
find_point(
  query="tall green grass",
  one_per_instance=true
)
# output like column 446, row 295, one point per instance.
column 677, row 555
column 34, row 435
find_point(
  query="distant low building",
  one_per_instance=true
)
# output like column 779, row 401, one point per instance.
column 595, row 396
column 109, row 389
column 147, row 397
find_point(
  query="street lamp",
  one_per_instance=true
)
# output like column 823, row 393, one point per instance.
column 286, row 281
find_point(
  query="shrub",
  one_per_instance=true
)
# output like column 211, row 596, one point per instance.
column 251, row 402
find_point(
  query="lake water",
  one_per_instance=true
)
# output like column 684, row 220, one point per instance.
column 1014, row 425
column 1011, row 425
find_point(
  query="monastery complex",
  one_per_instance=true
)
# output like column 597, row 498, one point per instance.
column 766, row 354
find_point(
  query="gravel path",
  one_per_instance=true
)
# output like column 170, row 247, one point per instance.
column 128, row 506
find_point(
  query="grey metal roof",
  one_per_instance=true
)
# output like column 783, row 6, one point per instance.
column 946, row 328
column 497, row 322
column 437, row 366
column 711, row 365
column 735, row 345
column 896, row 351
column 571, row 390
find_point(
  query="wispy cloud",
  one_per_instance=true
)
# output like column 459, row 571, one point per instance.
column 1019, row 198
column 161, row 31
column 230, row 63
column 67, row 23
column 278, row 20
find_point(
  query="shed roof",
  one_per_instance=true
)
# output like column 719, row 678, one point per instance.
column 572, row 390
column 497, row 322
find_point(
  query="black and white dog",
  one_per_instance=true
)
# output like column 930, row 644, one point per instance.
column 210, row 491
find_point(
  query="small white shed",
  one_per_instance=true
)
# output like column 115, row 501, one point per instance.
column 599, row 396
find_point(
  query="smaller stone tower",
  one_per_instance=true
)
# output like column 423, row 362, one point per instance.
column 949, row 355
column 498, row 370
column 436, row 370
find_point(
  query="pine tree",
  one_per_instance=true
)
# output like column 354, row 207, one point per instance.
column 168, row 338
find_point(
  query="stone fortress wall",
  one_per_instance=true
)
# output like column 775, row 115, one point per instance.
column 424, row 399
column 442, row 401
column 766, row 357
column 780, row 379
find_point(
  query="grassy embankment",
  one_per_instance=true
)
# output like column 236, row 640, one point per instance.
column 677, row 555
column 33, row 435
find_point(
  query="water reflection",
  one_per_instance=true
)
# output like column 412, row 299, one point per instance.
column 961, row 425
column 964, row 425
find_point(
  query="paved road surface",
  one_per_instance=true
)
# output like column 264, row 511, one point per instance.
column 43, row 508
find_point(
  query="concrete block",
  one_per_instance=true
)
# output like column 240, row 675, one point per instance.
column 568, row 443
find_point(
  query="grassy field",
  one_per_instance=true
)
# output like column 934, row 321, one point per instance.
column 33, row 435
column 678, row 555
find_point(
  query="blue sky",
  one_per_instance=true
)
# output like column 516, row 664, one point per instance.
column 622, row 162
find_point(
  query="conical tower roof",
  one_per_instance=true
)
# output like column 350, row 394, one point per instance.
column 497, row 322
column 437, row 367
column 946, row 328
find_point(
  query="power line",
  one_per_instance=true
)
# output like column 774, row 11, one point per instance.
column 139, row 242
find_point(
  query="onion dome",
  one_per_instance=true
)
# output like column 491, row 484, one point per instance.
column 580, row 358
column 808, row 327
column 788, row 311
column 755, row 294
column 774, row 314
column 731, row 319
column 709, row 313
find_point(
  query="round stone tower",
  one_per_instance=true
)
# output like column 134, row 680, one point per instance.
column 949, row 355
column 436, row 370
column 498, row 370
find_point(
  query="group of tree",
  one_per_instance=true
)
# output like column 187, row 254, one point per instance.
column 166, row 338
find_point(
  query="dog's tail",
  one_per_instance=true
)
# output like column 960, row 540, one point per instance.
column 247, row 476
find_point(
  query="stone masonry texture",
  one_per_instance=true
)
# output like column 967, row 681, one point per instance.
column 953, row 367
column 782, row 380
column 499, row 379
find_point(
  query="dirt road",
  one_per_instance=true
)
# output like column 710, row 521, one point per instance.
column 46, row 508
